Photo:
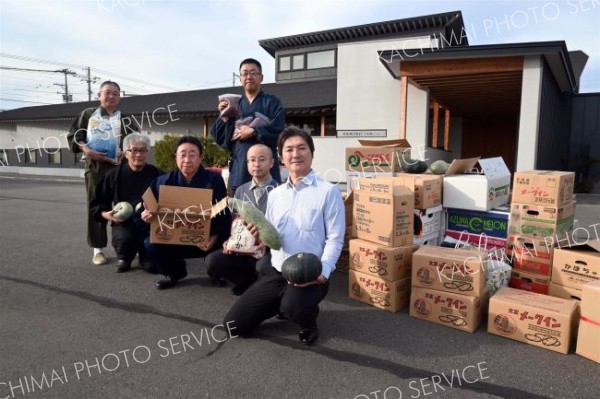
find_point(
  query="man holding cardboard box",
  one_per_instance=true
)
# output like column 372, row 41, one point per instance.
column 169, row 258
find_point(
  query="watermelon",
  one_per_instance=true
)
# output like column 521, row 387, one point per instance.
column 414, row 166
column 122, row 211
column 301, row 268
column 251, row 214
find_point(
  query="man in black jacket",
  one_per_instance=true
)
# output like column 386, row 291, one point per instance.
column 127, row 182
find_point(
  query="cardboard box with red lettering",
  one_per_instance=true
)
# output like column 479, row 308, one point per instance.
column 561, row 291
column 426, row 188
column 531, row 254
column 383, row 212
column 529, row 282
column 467, row 187
column 352, row 178
column 182, row 214
column 428, row 221
column 576, row 265
column 543, row 187
column 377, row 155
column 535, row 319
column 387, row 295
column 388, row 263
column 588, row 344
column 448, row 309
column 541, row 220
column 461, row 271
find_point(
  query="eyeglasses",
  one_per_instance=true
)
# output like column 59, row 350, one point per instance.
column 245, row 74
column 111, row 93
column 138, row 150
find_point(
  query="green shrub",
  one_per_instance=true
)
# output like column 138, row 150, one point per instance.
column 164, row 151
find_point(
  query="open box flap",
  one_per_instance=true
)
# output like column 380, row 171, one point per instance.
column 494, row 167
column 591, row 246
column 459, row 166
column 385, row 143
column 149, row 201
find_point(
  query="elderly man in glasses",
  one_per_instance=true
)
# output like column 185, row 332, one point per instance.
column 238, row 139
column 127, row 182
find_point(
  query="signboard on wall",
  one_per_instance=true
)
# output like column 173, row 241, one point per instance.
column 362, row 133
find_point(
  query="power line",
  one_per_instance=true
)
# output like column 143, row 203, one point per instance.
column 22, row 101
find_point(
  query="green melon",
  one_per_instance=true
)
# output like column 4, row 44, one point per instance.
column 301, row 268
column 439, row 167
column 251, row 214
column 122, row 211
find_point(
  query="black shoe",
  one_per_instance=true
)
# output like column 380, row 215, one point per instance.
column 218, row 281
column 168, row 282
column 308, row 335
column 281, row 316
column 123, row 266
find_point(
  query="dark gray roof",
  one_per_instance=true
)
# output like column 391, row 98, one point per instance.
column 446, row 22
column 299, row 96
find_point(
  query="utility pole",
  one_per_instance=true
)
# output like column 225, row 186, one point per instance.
column 66, row 96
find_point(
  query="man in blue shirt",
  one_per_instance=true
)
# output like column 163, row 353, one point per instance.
column 238, row 140
column 308, row 212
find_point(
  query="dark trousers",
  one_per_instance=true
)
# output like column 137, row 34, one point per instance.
column 170, row 259
column 96, row 231
column 239, row 269
column 128, row 241
column 272, row 294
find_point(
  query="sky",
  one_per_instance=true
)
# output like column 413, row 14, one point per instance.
column 154, row 46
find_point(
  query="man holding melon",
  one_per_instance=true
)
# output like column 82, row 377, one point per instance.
column 125, row 185
column 308, row 212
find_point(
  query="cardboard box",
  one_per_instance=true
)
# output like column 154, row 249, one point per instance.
column 576, row 265
column 539, row 320
column 493, row 223
column 477, row 240
column 387, row 263
column 476, row 191
column 428, row 221
column 183, row 214
column 460, row 271
column 432, row 239
column 387, row 295
column 385, row 217
column 352, row 178
column 529, row 282
column 543, row 187
column 589, row 325
column 377, row 155
column 541, row 220
column 426, row 188
column 448, row 309
column 561, row 291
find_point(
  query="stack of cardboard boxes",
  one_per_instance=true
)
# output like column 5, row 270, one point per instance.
column 542, row 215
column 448, row 287
column 380, row 258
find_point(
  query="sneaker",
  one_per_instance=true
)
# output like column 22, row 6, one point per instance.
column 99, row 259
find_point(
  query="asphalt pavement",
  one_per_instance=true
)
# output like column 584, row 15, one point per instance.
column 69, row 329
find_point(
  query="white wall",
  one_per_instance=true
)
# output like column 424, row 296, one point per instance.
column 530, row 113
column 368, row 97
column 417, row 119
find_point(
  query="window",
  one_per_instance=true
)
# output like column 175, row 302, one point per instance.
column 320, row 59
column 54, row 156
column 284, row 63
column 31, row 156
column 298, row 61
